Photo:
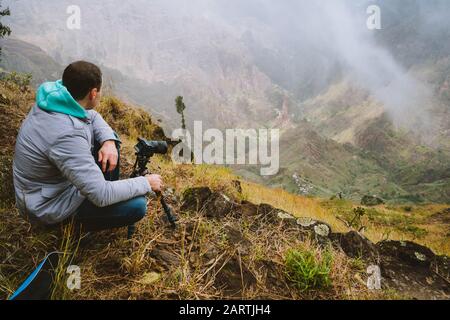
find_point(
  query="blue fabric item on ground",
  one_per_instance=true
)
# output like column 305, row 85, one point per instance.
column 38, row 286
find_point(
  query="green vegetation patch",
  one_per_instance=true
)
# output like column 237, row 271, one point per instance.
column 308, row 270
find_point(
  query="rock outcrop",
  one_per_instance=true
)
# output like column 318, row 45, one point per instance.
column 411, row 269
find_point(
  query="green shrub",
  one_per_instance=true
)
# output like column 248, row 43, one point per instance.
column 308, row 270
column 371, row 201
column 20, row 79
column 415, row 231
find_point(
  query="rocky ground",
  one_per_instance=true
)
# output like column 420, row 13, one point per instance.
column 406, row 267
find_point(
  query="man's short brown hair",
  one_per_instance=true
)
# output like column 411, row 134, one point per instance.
column 81, row 77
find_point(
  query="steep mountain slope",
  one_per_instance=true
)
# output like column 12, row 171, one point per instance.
column 228, row 244
column 23, row 57
column 190, row 56
column 345, row 144
column 416, row 159
column 255, row 65
column 316, row 165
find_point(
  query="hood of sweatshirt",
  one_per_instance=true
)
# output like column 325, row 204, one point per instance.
column 54, row 97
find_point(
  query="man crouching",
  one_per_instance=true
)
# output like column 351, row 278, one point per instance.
column 66, row 162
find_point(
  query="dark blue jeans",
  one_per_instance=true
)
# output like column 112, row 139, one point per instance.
column 93, row 218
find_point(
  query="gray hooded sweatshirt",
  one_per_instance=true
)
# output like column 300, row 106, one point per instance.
column 54, row 170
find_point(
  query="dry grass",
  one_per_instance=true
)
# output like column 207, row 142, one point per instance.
column 127, row 120
column 297, row 205
column 119, row 269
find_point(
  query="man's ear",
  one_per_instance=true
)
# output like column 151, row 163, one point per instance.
column 93, row 94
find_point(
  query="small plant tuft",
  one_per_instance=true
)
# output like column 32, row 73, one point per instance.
column 309, row 270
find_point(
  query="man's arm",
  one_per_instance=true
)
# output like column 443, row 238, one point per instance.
column 102, row 131
column 71, row 154
column 106, row 137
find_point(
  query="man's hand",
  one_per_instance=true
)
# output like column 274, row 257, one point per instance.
column 108, row 155
column 156, row 182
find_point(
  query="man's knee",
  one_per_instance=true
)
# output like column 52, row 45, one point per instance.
column 138, row 208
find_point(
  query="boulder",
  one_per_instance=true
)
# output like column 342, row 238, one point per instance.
column 260, row 215
column 214, row 204
column 409, row 268
column 233, row 277
column 248, row 209
column 355, row 245
column 274, row 277
column 441, row 265
column 407, row 253
column 193, row 199
column 164, row 257
column 320, row 231
column 371, row 201
column 238, row 240
column 218, row 206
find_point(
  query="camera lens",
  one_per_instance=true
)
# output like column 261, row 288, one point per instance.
column 159, row 147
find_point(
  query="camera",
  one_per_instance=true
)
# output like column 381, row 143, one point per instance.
column 149, row 148
column 145, row 149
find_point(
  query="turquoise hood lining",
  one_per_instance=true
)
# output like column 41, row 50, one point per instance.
column 54, row 97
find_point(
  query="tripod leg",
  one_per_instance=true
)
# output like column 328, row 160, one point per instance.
column 131, row 231
column 170, row 216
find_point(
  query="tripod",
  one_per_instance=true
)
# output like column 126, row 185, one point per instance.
column 140, row 169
